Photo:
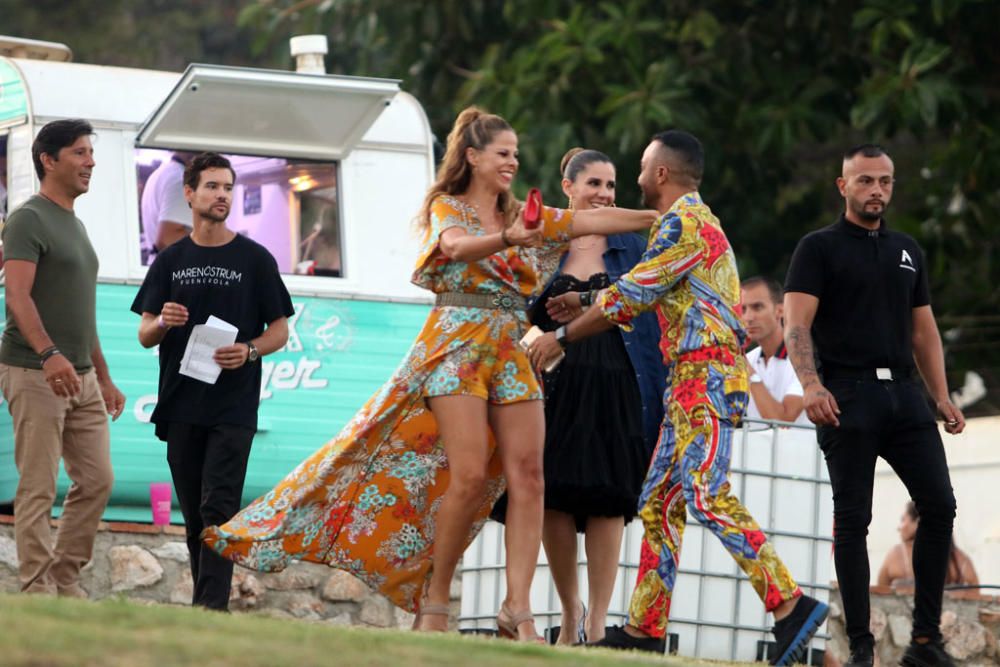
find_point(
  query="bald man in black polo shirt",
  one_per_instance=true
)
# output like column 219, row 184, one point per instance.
column 856, row 297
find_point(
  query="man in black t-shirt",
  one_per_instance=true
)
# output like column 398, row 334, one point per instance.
column 856, row 297
column 208, row 427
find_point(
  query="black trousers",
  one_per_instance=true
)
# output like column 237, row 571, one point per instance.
column 208, row 465
column 891, row 420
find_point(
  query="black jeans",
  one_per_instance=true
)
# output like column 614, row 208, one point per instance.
column 891, row 420
column 208, row 465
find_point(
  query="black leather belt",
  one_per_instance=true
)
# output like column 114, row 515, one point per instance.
column 883, row 374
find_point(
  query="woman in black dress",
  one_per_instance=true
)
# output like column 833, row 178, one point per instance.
column 602, row 413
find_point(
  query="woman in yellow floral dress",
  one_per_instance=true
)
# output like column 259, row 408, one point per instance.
column 462, row 413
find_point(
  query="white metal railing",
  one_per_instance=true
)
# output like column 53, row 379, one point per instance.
column 777, row 470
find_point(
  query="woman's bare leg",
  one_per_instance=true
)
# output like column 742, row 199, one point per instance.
column 603, row 543
column 519, row 429
column 462, row 423
column 559, row 540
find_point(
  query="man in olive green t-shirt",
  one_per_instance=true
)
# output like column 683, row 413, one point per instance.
column 52, row 371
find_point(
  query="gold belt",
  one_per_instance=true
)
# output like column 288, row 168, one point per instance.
column 509, row 302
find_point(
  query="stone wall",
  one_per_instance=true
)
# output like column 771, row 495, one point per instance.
column 149, row 564
column 970, row 625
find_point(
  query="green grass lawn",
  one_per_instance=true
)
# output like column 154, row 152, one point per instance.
column 49, row 632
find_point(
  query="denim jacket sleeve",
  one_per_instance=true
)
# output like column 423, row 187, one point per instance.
column 642, row 342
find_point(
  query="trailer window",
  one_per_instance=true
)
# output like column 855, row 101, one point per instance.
column 292, row 207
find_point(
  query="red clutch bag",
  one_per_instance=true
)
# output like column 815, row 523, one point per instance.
column 533, row 209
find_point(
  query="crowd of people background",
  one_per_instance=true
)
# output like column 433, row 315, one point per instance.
column 637, row 419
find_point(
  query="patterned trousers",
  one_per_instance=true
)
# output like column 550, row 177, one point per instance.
column 689, row 471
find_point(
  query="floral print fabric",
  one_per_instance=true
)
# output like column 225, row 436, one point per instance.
column 689, row 472
column 688, row 276
column 365, row 502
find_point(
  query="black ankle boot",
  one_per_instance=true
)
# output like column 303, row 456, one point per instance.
column 928, row 654
column 861, row 656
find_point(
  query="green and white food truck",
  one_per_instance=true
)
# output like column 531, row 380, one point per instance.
column 331, row 171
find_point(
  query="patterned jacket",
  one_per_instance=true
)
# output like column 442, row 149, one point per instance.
column 688, row 276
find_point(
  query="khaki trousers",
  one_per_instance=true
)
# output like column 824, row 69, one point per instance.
column 46, row 428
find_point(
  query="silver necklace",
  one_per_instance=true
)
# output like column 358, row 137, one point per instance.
column 578, row 246
column 479, row 213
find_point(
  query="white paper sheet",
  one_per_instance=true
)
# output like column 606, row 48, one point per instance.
column 205, row 339
column 214, row 321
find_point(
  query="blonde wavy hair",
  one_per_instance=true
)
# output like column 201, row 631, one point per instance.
column 474, row 128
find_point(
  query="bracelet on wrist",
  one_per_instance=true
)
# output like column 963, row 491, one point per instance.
column 503, row 238
column 561, row 337
column 48, row 353
column 159, row 321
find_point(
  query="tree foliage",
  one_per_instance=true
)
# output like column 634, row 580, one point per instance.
column 156, row 34
column 776, row 91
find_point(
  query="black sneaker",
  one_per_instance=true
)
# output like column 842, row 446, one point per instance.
column 617, row 638
column 796, row 630
column 863, row 656
column 931, row 654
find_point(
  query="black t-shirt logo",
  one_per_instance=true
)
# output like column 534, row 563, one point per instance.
column 206, row 275
column 906, row 262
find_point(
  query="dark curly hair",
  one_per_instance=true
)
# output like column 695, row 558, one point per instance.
column 199, row 163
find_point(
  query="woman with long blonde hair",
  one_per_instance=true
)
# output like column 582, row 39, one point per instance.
column 396, row 497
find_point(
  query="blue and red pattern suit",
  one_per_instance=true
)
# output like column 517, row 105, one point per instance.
column 688, row 276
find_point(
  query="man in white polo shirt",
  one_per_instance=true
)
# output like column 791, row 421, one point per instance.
column 775, row 392
column 166, row 216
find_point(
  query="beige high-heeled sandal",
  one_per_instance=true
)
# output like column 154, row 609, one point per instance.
column 430, row 609
column 507, row 623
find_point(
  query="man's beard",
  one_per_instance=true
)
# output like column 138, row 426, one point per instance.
column 650, row 199
column 210, row 214
column 869, row 216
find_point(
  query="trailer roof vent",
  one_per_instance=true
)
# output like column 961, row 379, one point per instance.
column 35, row 49
column 308, row 51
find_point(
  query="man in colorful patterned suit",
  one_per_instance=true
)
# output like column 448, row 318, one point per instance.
column 688, row 276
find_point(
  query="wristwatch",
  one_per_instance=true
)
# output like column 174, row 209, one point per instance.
column 586, row 299
column 561, row 337
column 253, row 354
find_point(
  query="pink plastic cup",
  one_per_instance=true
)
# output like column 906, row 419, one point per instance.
column 159, row 499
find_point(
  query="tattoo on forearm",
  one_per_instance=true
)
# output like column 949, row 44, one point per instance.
column 800, row 352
